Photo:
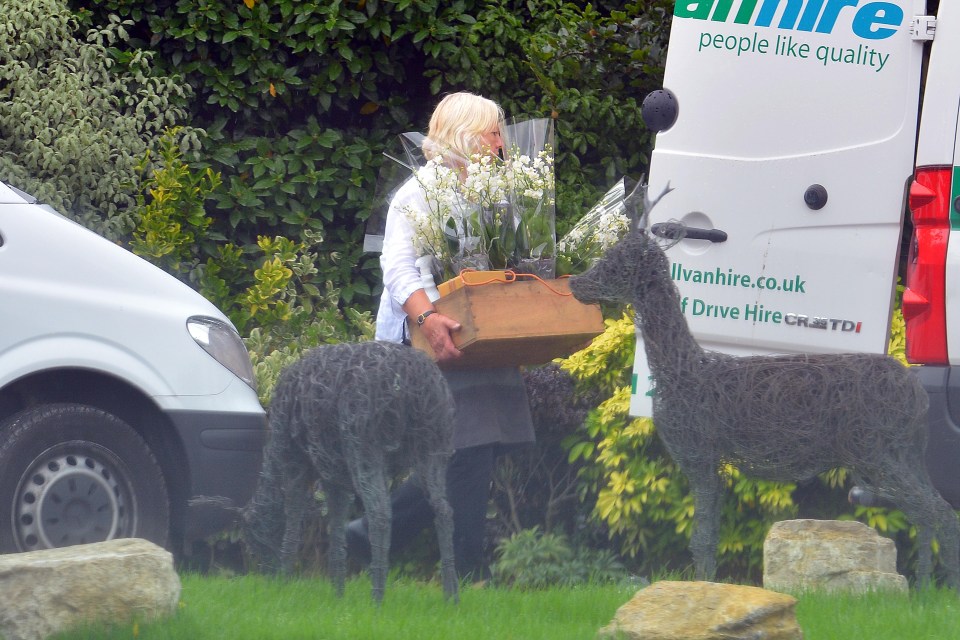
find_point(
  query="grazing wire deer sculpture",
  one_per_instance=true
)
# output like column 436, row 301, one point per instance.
column 351, row 417
column 782, row 418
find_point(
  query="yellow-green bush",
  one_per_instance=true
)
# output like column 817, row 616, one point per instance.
column 279, row 306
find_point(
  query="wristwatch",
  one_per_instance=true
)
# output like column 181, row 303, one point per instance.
column 423, row 316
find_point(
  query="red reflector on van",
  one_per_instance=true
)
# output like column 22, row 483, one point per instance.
column 920, row 196
column 913, row 304
column 924, row 308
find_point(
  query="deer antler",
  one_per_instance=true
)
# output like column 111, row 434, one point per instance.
column 639, row 191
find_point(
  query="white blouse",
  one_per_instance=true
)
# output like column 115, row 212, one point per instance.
column 401, row 278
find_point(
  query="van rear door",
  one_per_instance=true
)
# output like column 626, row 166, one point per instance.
column 794, row 137
column 932, row 299
column 931, row 302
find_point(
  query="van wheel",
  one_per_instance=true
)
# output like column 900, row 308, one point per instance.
column 73, row 474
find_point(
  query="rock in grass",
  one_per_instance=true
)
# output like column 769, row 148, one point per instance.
column 705, row 611
column 829, row 555
column 113, row 582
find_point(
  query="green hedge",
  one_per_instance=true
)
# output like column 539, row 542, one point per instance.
column 299, row 98
column 74, row 124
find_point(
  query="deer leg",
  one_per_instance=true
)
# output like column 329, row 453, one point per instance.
column 371, row 483
column 934, row 516
column 707, row 501
column 913, row 493
column 948, row 533
column 943, row 520
column 338, row 505
column 296, row 492
column 924, row 553
column 263, row 522
column 434, row 473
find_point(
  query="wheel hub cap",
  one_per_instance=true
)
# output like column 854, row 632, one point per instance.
column 67, row 499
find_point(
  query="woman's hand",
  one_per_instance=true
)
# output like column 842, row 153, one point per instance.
column 438, row 330
column 436, row 327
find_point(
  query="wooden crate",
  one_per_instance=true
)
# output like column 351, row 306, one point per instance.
column 469, row 278
column 525, row 322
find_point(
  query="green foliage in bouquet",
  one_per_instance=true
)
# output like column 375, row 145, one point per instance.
column 531, row 194
column 500, row 240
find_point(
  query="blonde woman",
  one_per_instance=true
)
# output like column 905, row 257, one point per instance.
column 493, row 414
column 462, row 125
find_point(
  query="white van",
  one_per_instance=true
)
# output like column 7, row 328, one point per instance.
column 795, row 133
column 123, row 393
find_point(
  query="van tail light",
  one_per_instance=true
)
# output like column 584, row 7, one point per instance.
column 924, row 304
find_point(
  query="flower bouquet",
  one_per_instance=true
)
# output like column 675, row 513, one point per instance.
column 531, row 197
column 485, row 212
column 600, row 228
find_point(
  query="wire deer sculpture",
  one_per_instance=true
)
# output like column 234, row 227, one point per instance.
column 351, row 417
column 782, row 418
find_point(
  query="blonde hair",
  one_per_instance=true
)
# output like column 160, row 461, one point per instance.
column 458, row 123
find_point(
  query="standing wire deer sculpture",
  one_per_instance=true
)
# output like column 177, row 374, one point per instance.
column 780, row 417
column 351, row 417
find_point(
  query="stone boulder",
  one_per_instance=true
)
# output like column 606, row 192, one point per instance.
column 830, row 555
column 119, row 581
column 705, row 611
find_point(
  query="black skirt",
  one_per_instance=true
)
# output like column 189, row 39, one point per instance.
column 492, row 407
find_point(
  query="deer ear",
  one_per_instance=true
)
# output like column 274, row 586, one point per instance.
column 637, row 196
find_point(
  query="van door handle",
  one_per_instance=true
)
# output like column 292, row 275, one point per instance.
column 675, row 231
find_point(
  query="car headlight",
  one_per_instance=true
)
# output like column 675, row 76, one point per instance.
column 222, row 342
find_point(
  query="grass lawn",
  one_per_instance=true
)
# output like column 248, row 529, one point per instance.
column 262, row 608
column 932, row 614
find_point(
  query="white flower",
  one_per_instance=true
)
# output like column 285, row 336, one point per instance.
column 485, row 182
column 532, row 179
